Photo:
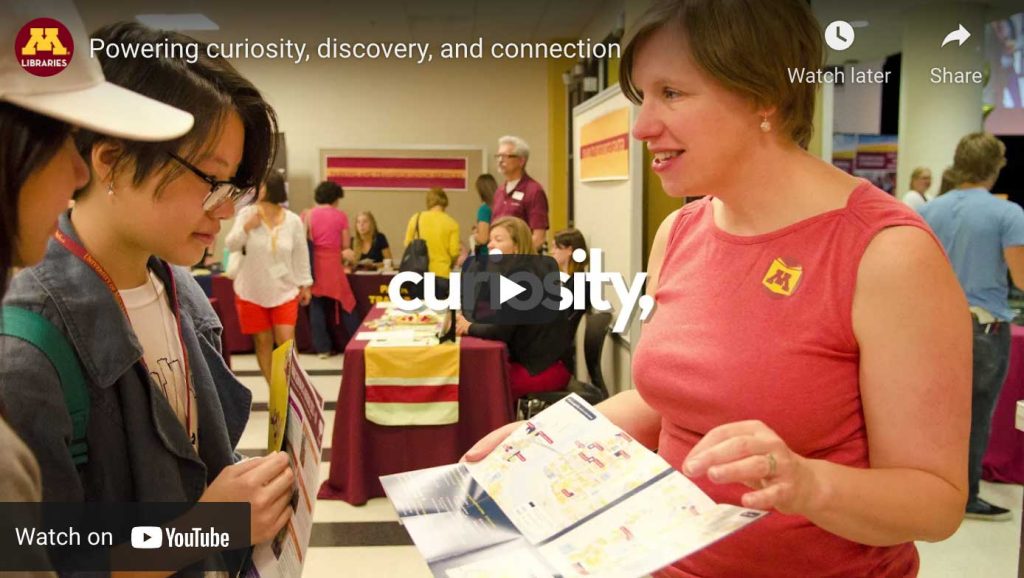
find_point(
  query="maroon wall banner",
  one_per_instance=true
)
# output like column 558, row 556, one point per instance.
column 396, row 173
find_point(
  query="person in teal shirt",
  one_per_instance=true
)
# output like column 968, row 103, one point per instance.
column 485, row 187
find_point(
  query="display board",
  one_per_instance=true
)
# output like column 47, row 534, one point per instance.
column 610, row 212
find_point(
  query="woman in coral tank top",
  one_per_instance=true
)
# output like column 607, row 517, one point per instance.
column 810, row 351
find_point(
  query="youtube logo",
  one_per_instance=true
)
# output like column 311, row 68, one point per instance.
column 147, row 537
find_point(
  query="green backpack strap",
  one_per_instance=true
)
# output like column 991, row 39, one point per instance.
column 37, row 330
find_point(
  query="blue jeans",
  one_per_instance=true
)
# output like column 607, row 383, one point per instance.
column 991, row 362
column 321, row 322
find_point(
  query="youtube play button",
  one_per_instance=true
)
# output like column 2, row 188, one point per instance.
column 508, row 289
column 147, row 537
column 511, row 289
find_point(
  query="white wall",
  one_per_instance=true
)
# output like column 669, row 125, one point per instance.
column 858, row 107
column 332, row 104
column 372, row 104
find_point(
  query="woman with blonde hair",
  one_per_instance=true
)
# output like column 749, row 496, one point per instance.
column 515, row 237
column 535, row 350
column 369, row 244
column 920, row 182
column 441, row 233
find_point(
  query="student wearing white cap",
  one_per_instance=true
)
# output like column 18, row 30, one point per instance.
column 164, row 411
column 40, row 169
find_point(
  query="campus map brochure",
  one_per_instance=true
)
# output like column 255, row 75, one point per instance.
column 568, row 494
column 297, row 427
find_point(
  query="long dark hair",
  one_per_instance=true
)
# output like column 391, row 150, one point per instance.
column 485, row 187
column 27, row 142
column 277, row 193
column 208, row 88
column 573, row 239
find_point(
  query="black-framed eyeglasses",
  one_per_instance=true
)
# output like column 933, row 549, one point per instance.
column 220, row 191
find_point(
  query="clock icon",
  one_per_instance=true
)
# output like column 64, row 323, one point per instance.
column 839, row 35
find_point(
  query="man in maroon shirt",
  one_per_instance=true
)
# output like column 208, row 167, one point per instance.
column 520, row 196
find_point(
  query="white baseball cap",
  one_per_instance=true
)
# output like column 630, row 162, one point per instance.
column 78, row 94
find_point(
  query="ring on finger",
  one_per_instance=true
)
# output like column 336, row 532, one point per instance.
column 772, row 465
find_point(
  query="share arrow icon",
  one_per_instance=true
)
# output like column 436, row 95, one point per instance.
column 960, row 35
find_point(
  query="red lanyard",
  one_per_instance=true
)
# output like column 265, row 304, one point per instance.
column 80, row 252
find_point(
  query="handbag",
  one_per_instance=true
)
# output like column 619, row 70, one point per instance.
column 416, row 257
column 235, row 259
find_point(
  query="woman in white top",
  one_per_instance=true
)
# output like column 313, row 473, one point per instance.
column 920, row 182
column 274, row 277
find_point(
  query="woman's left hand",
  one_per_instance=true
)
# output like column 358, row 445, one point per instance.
column 751, row 453
column 305, row 295
column 461, row 325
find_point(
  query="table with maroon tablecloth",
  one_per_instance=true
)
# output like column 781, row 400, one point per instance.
column 361, row 451
column 1004, row 459
column 368, row 289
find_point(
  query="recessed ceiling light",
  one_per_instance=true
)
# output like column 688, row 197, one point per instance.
column 859, row 23
column 177, row 21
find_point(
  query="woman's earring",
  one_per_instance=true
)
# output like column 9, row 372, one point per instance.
column 765, row 125
column 110, row 188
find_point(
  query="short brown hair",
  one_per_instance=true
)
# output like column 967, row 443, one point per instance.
column 436, row 196
column 522, row 236
column 979, row 156
column 748, row 47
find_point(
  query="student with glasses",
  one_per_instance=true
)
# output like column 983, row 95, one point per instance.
column 165, row 412
column 40, row 169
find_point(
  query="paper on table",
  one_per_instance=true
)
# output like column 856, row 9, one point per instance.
column 387, row 335
column 418, row 341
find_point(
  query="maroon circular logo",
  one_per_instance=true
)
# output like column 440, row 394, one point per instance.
column 44, row 47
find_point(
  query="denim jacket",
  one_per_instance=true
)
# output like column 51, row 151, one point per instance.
column 138, row 450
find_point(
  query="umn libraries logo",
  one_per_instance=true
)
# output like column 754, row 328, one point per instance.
column 44, row 47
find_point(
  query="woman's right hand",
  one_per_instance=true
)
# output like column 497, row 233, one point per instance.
column 266, row 484
column 490, row 441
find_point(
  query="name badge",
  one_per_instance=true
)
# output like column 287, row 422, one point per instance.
column 518, row 196
column 278, row 271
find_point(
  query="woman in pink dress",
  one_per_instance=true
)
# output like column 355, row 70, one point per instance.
column 328, row 230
